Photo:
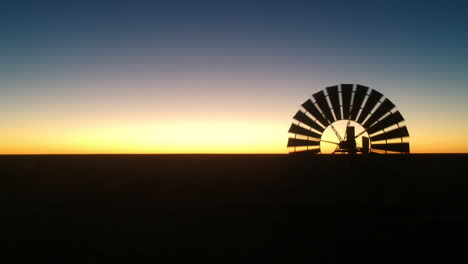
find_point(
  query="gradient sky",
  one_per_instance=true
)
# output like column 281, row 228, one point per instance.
column 221, row 76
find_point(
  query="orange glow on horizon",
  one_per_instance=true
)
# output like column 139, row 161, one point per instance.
column 180, row 138
column 184, row 120
column 186, row 137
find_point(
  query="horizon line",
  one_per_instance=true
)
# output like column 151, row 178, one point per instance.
column 195, row 153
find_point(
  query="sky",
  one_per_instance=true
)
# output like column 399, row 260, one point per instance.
column 221, row 76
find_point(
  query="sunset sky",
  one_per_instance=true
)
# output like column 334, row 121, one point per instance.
column 221, row 76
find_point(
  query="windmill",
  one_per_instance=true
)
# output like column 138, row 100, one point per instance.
column 348, row 118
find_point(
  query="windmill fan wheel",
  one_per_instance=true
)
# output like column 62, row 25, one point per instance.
column 348, row 118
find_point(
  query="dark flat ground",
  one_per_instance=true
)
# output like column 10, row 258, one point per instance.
column 233, row 208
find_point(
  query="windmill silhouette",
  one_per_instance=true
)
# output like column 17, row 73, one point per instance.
column 380, row 124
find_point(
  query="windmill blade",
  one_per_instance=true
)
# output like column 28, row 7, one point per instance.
column 359, row 95
column 332, row 92
column 346, row 92
column 303, row 118
column 303, row 131
column 397, row 147
column 310, row 107
column 396, row 133
column 374, row 97
column 323, row 105
column 390, row 120
column 296, row 142
column 384, row 108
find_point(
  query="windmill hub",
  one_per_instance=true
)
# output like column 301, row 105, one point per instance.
column 348, row 145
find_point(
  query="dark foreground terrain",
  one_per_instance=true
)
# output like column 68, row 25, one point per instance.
column 233, row 208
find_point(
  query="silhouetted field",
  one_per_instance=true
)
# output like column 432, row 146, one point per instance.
column 233, row 208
